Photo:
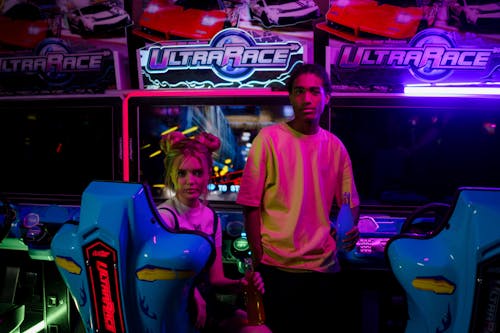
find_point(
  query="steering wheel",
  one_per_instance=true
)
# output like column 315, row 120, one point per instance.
column 426, row 220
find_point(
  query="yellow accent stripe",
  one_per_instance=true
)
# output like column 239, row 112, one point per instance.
column 438, row 286
column 68, row 265
column 154, row 274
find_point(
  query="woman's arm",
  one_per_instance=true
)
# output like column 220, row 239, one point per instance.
column 219, row 281
column 217, row 278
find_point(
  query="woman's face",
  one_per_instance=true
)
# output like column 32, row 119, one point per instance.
column 190, row 178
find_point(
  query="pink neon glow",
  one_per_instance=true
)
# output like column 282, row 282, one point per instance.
column 490, row 128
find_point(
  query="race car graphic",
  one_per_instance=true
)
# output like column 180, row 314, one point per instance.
column 356, row 20
column 184, row 19
column 275, row 13
column 98, row 18
column 23, row 26
column 475, row 14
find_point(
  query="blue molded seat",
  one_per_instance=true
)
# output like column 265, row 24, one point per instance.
column 451, row 275
column 126, row 271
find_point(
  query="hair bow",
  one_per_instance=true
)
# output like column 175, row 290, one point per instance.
column 208, row 140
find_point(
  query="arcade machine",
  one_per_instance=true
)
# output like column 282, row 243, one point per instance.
column 407, row 152
column 53, row 147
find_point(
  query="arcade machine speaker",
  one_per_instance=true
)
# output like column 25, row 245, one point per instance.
column 125, row 270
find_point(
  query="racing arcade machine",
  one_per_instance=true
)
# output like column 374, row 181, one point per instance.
column 52, row 148
column 410, row 155
column 407, row 152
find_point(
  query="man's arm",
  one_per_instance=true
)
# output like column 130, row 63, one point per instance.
column 252, row 228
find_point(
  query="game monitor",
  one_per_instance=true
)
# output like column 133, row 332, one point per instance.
column 234, row 116
column 53, row 147
column 413, row 150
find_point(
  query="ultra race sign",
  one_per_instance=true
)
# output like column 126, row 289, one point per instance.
column 232, row 58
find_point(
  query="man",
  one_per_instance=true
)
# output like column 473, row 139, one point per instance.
column 295, row 171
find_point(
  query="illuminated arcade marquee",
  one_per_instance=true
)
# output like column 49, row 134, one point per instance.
column 55, row 67
column 232, row 58
column 432, row 56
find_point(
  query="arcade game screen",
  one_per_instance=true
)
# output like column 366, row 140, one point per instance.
column 52, row 148
column 234, row 121
column 415, row 151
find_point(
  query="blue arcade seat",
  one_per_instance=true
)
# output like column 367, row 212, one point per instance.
column 451, row 272
column 125, row 270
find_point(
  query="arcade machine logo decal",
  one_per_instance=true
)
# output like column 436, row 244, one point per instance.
column 104, row 284
column 233, row 58
column 430, row 56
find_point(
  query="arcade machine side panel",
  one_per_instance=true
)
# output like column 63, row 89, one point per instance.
column 55, row 145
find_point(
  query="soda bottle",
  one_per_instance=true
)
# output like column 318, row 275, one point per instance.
column 254, row 303
column 345, row 221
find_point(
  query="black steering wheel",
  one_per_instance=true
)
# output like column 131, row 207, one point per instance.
column 427, row 220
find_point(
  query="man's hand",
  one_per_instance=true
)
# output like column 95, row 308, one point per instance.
column 352, row 237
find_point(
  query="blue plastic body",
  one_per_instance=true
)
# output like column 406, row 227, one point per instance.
column 451, row 276
column 125, row 270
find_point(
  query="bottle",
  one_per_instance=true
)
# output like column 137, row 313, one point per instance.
column 345, row 222
column 254, row 303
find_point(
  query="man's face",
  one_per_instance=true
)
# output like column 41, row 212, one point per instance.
column 308, row 98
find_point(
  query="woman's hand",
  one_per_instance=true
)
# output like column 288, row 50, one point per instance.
column 201, row 309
